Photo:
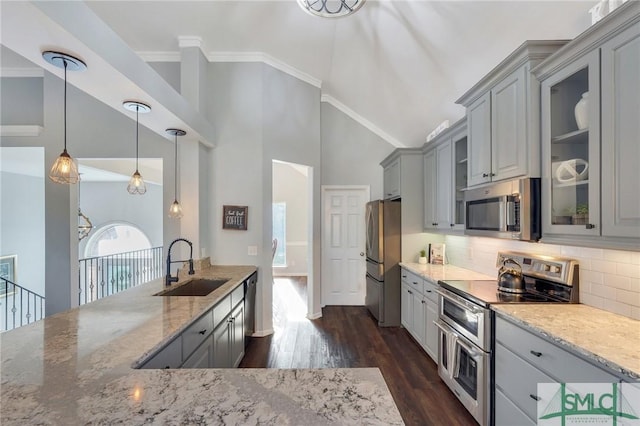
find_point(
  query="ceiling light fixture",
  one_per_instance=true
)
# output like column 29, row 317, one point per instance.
column 175, row 210
column 64, row 169
column 330, row 8
column 136, row 183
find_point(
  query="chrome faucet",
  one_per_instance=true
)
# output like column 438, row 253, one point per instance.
column 168, row 279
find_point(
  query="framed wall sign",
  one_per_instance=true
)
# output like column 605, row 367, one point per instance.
column 8, row 267
column 235, row 217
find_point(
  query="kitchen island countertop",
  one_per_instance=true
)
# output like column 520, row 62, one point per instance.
column 75, row 367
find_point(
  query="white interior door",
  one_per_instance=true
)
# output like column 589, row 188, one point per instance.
column 343, row 245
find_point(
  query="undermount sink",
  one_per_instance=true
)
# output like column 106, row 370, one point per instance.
column 195, row 287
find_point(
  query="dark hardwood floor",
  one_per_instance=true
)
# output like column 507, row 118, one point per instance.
column 349, row 337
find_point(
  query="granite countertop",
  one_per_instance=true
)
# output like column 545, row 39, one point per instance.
column 445, row 272
column 75, row 367
column 610, row 340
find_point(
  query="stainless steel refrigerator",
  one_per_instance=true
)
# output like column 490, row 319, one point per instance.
column 383, row 257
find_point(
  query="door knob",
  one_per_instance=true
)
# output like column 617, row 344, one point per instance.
column 361, row 253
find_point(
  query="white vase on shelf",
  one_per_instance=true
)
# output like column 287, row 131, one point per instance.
column 582, row 111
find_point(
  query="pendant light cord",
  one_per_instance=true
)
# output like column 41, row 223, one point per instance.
column 137, row 125
column 175, row 168
column 64, row 61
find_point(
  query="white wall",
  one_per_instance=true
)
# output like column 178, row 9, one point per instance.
column 106, row 202
column 22, row 227
column 351, row 153
column 290, row 186
column 609, row 279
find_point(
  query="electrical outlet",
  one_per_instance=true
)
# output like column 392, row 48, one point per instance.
column 252, row 251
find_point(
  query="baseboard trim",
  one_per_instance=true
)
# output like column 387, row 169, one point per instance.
column 314, row 316
column 290, row 274
column 263, row 333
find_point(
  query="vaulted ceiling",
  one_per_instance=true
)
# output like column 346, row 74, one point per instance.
column 398, row 65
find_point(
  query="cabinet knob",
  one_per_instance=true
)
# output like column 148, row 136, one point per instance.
column 415, row 282
column 202, row 331
column 492, row 174
column 409, row 291
column 535, row 353
column 423, row 302
column 534, row 397
column 485, row 175
column 589, row 226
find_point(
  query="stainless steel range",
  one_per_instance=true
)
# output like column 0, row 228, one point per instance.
column 465, row 322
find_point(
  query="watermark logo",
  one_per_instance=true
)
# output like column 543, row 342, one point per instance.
column 563, row 404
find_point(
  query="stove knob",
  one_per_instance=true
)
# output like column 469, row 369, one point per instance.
column 556, row 269
column 547, row 268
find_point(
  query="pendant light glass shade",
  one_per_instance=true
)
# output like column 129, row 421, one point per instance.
column 175, row 210
column 64, row 169
column 136, row 183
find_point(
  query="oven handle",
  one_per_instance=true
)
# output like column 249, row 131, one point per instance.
column 452, row 337
column 459, row 301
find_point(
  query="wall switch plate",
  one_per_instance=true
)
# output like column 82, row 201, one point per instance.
column 252, row 251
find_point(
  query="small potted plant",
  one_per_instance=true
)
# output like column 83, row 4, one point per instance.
column 581, row 217
column 423, row 257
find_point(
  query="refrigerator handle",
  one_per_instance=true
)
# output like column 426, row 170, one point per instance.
column 368, row 227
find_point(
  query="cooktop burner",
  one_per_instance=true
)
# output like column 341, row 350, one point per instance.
column 485, row 293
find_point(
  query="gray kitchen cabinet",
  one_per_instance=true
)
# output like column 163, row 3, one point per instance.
column 201, row 357
column 589, row 159
column 170, row 356
column 536, row 360
column 213, row 340
column 406, row 306
column 445, row 176
column 507, row 413
column 412, row 309
column 430, row 343
column 408, row 163
column 479, row 140
column 620, row 127
column 237, row 335
column 430, row 189
column 501, row 142
column 392, row 180
column 228, row 340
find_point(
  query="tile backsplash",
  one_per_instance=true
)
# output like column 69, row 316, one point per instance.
column 609, row 279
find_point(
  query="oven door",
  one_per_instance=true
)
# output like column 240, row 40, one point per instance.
column 465, row 317
column 465, row 370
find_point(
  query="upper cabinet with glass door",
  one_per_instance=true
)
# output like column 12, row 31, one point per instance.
column 590, row 106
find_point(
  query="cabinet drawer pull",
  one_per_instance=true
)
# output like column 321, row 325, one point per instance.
column 485, row 175
column 492, row 174
column 535, row 353
column 423, row 302
column 534, row 397
column 202, row 331
column 428, row 291
column 404, row 276
column 590, row 226
column 452, row 225
column 415, row 282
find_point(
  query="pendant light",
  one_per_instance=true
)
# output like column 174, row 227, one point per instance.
column 330, row 8
column 136, row 183
column 65, row 169
column 84, row 224
column 175, row 210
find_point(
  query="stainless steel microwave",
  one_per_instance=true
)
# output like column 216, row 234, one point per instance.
column 509, row 209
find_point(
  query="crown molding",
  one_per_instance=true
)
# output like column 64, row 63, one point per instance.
column 190, row 41
column 22, row 72
column 361, row 120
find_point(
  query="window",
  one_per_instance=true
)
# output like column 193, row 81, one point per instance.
column 279, row 233
column 116, row 238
